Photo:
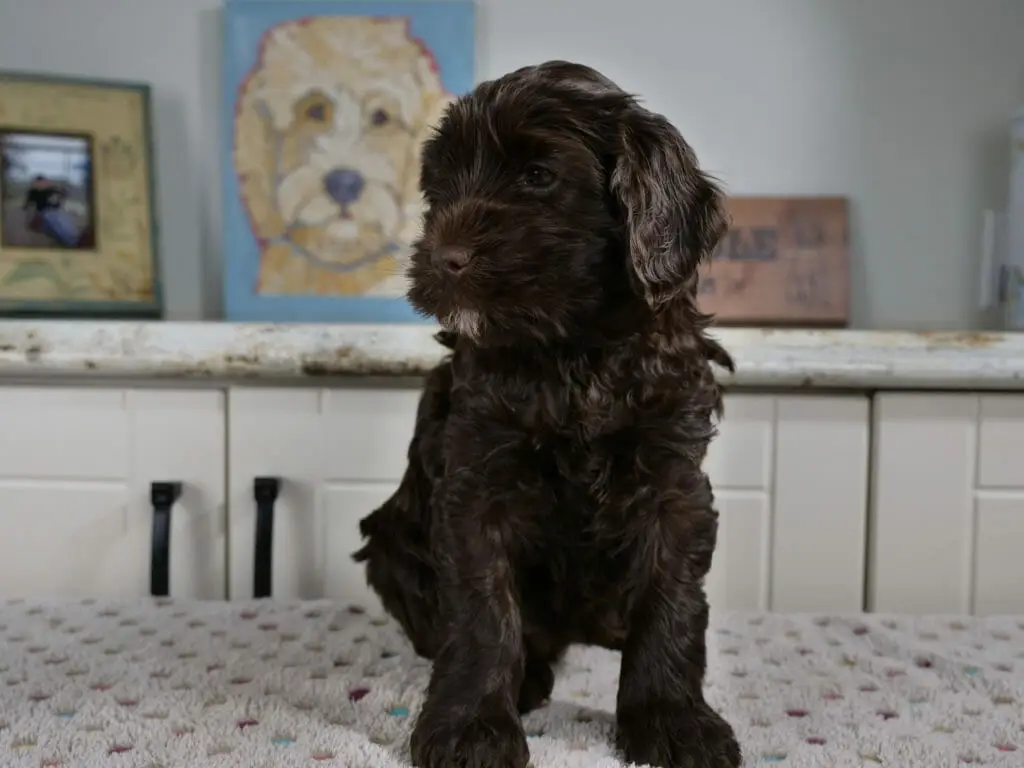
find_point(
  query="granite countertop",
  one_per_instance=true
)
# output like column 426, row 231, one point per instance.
column 216, row 350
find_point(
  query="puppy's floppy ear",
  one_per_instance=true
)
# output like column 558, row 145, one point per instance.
column 674, row 213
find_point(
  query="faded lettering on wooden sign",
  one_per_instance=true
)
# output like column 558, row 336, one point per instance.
column 783, row 261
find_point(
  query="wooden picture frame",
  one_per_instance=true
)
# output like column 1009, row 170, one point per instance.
column 326, row 106
column 78, row 235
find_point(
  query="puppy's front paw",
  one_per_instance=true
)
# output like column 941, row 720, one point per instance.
column 676, row 735
column 486, row 740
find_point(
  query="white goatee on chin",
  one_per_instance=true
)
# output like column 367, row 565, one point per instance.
column 465, row 322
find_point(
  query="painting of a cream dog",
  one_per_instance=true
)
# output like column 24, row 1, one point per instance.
column 327, row 128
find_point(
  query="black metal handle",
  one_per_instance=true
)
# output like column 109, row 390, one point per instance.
column 162, row 496
column 265, row 490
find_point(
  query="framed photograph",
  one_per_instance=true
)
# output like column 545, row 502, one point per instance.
column 77, row 235
column 327, row 105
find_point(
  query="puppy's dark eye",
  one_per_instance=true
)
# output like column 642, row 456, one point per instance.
column 538, row 177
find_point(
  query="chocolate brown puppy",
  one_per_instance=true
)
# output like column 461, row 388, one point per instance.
column 555, row 491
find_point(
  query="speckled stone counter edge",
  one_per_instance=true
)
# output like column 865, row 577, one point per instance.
column 214, row 350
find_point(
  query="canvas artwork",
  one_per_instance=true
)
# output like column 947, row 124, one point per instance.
column 77, row 231
column 330, row 103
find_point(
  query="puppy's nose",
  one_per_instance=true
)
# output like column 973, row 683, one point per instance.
column 451, row 258
column 344, row 185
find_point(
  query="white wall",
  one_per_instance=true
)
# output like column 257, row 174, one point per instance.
column 902, row 105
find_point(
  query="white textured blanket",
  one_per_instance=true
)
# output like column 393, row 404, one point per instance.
column 163, row 683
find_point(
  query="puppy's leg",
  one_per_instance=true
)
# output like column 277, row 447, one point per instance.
column 400, row 570
column 538, row 682
column 542, row 654
column 470, row 718
column 662, row 718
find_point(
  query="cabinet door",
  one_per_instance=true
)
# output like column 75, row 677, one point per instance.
column 339, row 453
column 76, row 466
column 948, row 505
column 790, row 481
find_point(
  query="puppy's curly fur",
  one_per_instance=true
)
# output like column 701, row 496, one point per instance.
column 555, row 492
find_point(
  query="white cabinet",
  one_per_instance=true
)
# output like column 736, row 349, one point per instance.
column 948, row 504
column 76, row 466
column 790, row 480
column 339, row 453
column 790, row 475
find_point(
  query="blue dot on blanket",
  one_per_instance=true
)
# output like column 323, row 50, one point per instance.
column 283, row 741
column 400, row 712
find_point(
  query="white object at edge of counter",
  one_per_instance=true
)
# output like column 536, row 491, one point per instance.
column 1014, row 276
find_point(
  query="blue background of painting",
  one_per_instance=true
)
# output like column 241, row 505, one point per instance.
column 447, row 27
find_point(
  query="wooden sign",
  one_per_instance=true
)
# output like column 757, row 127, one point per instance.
column 784, row 261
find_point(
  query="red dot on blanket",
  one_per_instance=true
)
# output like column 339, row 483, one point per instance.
column 815, row 740
column 796, row 712
column 357, row 693
column 243, row 724
column 119, row 749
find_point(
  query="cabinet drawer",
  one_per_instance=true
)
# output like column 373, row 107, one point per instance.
column 58, row 432
column 1001, row 442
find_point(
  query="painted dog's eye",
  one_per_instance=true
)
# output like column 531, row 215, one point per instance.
column 380, row 117
column 315, row 109
column 538, row 177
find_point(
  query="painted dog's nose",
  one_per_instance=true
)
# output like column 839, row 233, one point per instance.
column 344, row 185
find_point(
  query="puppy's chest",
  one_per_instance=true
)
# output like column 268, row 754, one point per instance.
column 579, row 438
column 573, row 576
column 576, row 414
column 586, row 514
